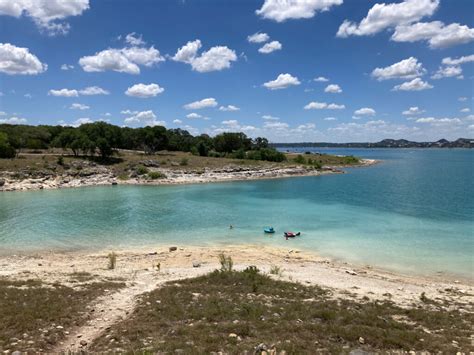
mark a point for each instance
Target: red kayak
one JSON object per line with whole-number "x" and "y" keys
{"x": 291, "y": 234}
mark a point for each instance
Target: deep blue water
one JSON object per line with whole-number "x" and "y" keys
{"x": 414, "y": 212}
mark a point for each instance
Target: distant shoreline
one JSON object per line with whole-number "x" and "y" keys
{"x": 103, "y": 176}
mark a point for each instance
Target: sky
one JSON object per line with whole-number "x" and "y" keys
{"x": 289, "y": 70}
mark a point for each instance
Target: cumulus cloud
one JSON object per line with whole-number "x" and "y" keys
{"x": 177, "y": 121}
{"x": 448, "y": 72}
{"x": 67, "y": 67}
{"x": 258, "y": 37}
{"x": 13, "y": 120}
{"x": 405, "y": 69}
{"x": 144, "y": 118}
{"x": 124, "y": 60}
{"x": 415, "y": 85}
{"x": 436, "y": 33}
{"x": 439, "y": 121}
{"x": 19, "y": 61}
{"x": 283, "y": 81}
{"x": 462, "y": 98}
{"x": 270, "y": 47}
{"x": 280, "y": 11}
{"x": 365, "y": 111}
{"x": 88, "y": 91}
{"x": 93, "y": 90}
{"x": 63, "y": 93}
{"x": 229, "y": 108}
{"x": 321, "y": 79}
{"x": 314, "y": 105}
{"x": 204, "y": 103}
{"x": 193, "y": 115}
{"x": 215, "y": 59}
{"x": 77, "y": 106}
{"x": 330, "y": 118}
{"x": 144, "y": 91}
{"x": 383, "y": 16}
{"x": 458, "y": 61}
{"x": 333, "y": 89}
{"x": 134, "y": 40}
{"x": 413, "y": 111}
{"x": 48, "y": 15}
{"x": 465, "y": 110}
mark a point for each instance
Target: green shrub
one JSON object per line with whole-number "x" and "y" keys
{"x": 154, "y": 175}
{"x": 276, "y": 270}
{"x": 142, "y": 170}
{"x": 300, "y": 159}
{"x": 226, "y": 263}
{"x": 184, "y": 162}
{"x": 60, "y": 160}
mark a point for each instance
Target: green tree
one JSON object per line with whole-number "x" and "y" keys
{"x": 6, "y": 150}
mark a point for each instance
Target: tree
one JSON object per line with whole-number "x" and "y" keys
{"x": 229, "y": 142}
{"x": 6, "y": 150}
{"x": 259, "y": 143}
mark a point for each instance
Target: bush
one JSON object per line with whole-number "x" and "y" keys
{"x": 268, "y": 154}
{"x": 226, "y": 263}
{"x": 184, "y": 162}
{"x": 60, "y": 160}
{"x": 154, "y": 175}
{"x": 276, "y": 270}
{"x": 300, "y": 159}
{"x": 6, "y": 150}
{"x": 141, "y": 170}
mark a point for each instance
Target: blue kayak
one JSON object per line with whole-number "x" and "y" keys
{"x": 269, "y": 230}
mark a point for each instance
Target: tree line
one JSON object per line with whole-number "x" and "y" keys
{"x": 103, "y": 140}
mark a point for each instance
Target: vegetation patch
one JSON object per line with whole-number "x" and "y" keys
{"x": 248, "y": 312}
{"x": 34, "y": 315}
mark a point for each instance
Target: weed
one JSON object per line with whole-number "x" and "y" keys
{"x": 276, "y": 270}
{"x": 112, "y": 260}
{"x": 154, "y": 175}
{"x": 142, "y": 170}
{"x": 184, "y": 162}
{"x": 226, "y": 263}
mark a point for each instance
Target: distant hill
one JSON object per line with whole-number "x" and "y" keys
{"x": 386, "y": 143}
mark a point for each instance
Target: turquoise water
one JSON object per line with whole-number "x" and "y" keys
{"x": 414, "y": 212}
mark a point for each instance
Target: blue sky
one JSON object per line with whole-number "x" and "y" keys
{"x": 400, "y": 69}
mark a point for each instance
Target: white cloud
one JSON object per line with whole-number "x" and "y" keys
{"x": 134, "y": 40}
{"x": 270, "y": 118}
{"x": 270, "y": 47}
{"x": 323, "y": 106}
{"x": 382, "y": 16}
{"x": 412, "y": 111}
{"x": 365, "y": 111}
{"x": 124, "y": 60}
{"x": 67, "y": 67}
{"x": 88, "y": 91}
{"x": 47, "y": 14}
{"x": 93, "y": 90}
{"x": 177, "y": 121}
{"x": 405, "y": 69}
{"x": 330, "y": 118}
{"x": 144, "y": 118}
{"x": 439, "y": 121}
{"x": 28, "y": 95}
{"x": 81, "y": 121}
{"x": 281, "y": 11}
{"x": 77, "y": 106}
{"x": 448, "y": 72}
{"x": 458, "y": 61}
{"x": 204, "y": 103}
{"x": 144, "y": 91}
{"x": 283, "y": 81}
{"x": 415, "y": 85}
{"x": 321, "y": 79}
{"x": 19, "y": 61}
{"x": 462, "y": 98}
{"x": 3, "y": 113}
{"x": 436, "y": 33}
{"x": 128, "y": 112}
{"x": 258, "y": 37}
{"x": 229, "y": 108}
{"x": 465, "y": 110}
{"x": 193, "y": 115}
{"x": 107, "y": 114}
{"x": 333, "y": 89}
{"x": 215, "y": 59}
{"x": 63, "y": 93}
{"x": 14, "y": 120}
{"x": 276, "y": 125}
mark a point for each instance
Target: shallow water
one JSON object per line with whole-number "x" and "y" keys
{"x": 414, "y": 212}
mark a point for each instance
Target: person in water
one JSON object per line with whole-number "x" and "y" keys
{"x": 231, "y": 227}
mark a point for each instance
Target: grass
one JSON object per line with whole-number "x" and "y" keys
{"x": 233, "y": 312}
{"x": 112, "y": 257}
{"x": 34, "y": 315}
{"x": 154, "y": 175}
{"x": 276, "y": 270}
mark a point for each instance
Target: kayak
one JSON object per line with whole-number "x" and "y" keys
{"x": 291, "y": 234}
{"x": 269, "y": 230}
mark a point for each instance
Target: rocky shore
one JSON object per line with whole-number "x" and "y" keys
{"x": 87, "y": 173}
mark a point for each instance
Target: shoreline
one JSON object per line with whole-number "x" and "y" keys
{"x": 103, "y": 176}
{"x": 343, "y": 279}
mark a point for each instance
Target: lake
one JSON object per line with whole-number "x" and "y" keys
{"x": 413, "y": 212}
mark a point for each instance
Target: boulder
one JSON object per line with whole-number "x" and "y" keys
{"x": 2, "y": 182}
{"x": 173, "y": 249}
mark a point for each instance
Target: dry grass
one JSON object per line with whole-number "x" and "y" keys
{"x": 234, "y": 312}
{"x": 34, "y": 315}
